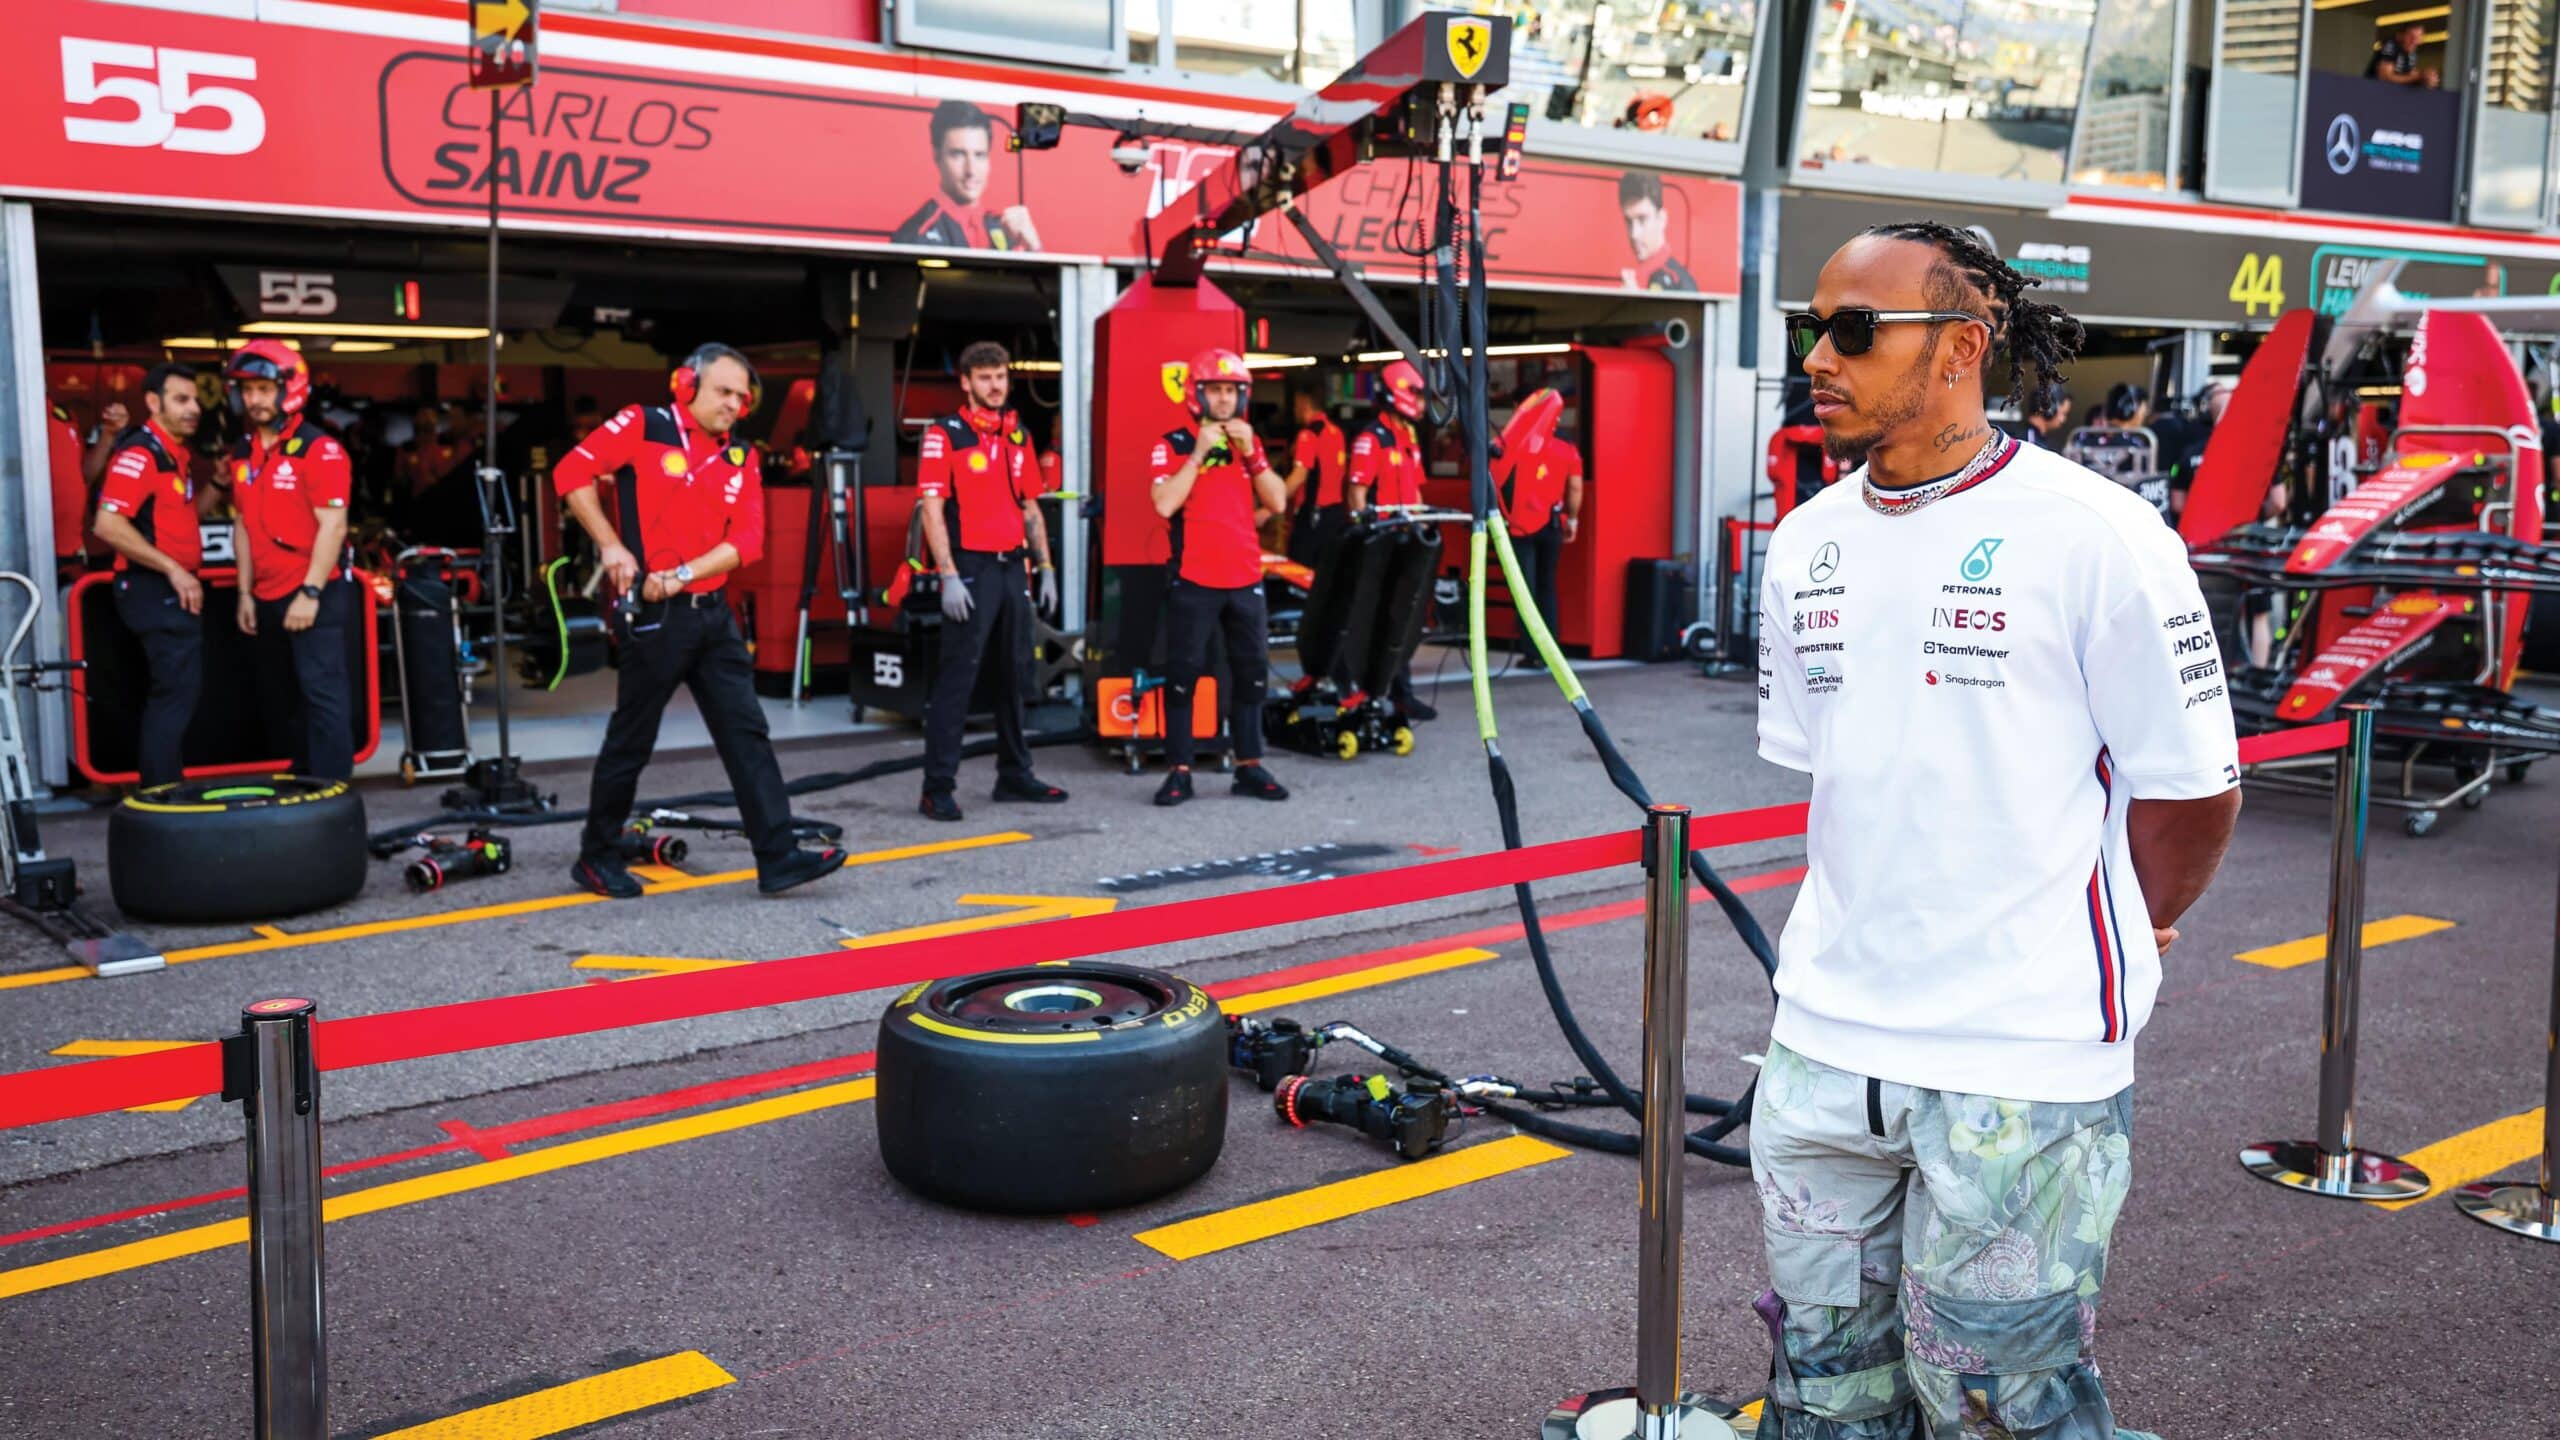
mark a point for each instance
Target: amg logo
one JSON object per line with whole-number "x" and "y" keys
{"x": 1825, "y": 590}
{"x": 2190, "y": 644}
{"x": 2194, "y": 673}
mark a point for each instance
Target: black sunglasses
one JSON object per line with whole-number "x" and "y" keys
{"x": 1852, "y": 328}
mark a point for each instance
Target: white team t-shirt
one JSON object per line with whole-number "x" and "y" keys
{"x": 1979, "y": 684}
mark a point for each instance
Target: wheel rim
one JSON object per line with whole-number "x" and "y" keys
{"x": 1050, "y": 998}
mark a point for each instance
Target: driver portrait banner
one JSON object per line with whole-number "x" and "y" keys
{"x": 146, "y": 106}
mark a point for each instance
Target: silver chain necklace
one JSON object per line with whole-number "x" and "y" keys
{"x": 1926, "y": 494}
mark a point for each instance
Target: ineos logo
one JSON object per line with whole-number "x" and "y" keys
{"x": 1825, "y": 561}
{"x": 2344, "y": 144}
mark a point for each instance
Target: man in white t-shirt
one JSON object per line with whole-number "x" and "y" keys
{"x": 1997, "y": 668}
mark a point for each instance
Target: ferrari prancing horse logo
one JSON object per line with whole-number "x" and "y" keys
{"x": 1470, "y": 41}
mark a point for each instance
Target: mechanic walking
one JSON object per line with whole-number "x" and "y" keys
{"x": 1541, "y": 490}
{"x": 147, "y": 512}
{"x": 689, "y": 501}
{"x": 1997, "y": 667}
{"x": 1209, "y": 483}
{"x": 1319, "y": 459}
{"x": 978, "y": 496}
{"x": 289, "y": 481}
{"x": 1386, "y": 470}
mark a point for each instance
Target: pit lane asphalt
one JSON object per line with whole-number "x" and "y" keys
{"x": 845, "y": 1307}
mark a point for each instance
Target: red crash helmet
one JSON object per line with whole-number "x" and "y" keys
{"x": 1405, "y": 390}
{"x": 1218, "y": 367}
{"x": 269, "y": 360}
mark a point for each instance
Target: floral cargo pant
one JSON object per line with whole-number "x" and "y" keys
{"x": 1934, "y": 1258}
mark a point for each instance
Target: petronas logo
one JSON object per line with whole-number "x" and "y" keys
{"x": 1977, "y": 561}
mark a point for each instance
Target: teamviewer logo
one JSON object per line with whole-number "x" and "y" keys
{"x": 2345, "y": 143}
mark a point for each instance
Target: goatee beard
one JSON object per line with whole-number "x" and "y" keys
{"x": 1847, "y": 451}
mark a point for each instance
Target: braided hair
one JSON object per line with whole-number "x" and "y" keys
{"x": 2034, "y": 336}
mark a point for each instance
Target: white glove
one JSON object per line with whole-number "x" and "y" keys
{"x": 955, "y": 599}
{"x": 1048, "y": 590}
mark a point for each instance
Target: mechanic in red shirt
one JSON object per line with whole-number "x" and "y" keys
{"x": 978, "y": 498}
{"x": 689, "y": 509}
{"x": 1386, "y": 469}
{"x": 1212, "y": 484}
{"x": 66, "y": 458}
{"x": 289, "y": 481}
{"x": 1319, "y": 461}
{"x": 1539, "y": 478}
{"x": 147, "y": 514}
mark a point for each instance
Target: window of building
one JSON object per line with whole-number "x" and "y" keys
{"x": 1062, "y": 32}
{"x": 1679, "y": 69}
{"x": 2255, "y": 110}
{"x": 2127, "y": 125}
{"x": 1288, "y": 42}
{"x": 1985, "y": 89}
{"x": 2511, "y": 139}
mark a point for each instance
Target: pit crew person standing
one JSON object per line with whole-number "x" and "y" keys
{"x": 1541, "y": 490}
{"x": 978, "y": 494}
{"x": 147, "y": 514}
{"x": 1208, "y": 483}
{"x": 690, "y": 500}
{"x": 1386, "y": 469}
{"x": 1318, "y": 461}
{"x": 289, "y": 481}
{"x": 1997, "y": 668}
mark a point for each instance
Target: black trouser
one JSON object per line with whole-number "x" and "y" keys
{"x": 1312, "y": 530}
{"x": 695, "y": 645}
{"x": 1193, "y": 613}
{"x": 1000, "y": 624}
{"x": 306, "y": 702}
{"x": 173, "y": 649}
{"x": 1538, "y": 555}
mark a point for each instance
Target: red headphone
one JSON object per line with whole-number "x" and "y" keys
{"x": 686, "y": 382}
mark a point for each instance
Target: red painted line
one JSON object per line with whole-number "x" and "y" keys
{"x": 1428, "y": 850}
{"x": 163, "y": 1207}
{"x": 1084, "y": 1222}
{"x": 477, "y": 1142}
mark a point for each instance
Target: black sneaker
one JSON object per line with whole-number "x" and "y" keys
{"x": 605, "y": 875}
{"x": 938, "y": 805}
{"x": 1255, "y": 781}
{"x": 798, "y": 868}
{"x": 1414, "y": 707}
{"x": 1029, "y": 788}
{"x": 1175, "y": 789}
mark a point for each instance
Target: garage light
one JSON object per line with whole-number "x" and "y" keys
{"x": 933, "y": 264}
{"x": 1380, "y": 357}
{"x": 361, "y": 347}
{"x": 207, "y": 342}
{"x": 1263, "y": 361}
{"x": 373, "y": 332}
{"x": 1528, "y": 349}
{"x": 1038, "y": 367}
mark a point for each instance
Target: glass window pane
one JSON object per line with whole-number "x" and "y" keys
{"x": 1293, "y": 42}
{"x": 1080, "y": 24}
{"x": 1675, "y": 68}
{"x": 1964, "y": 87}
{"x": 2124, "y": 123}
{"x": 2514, "y": 133}
{"x": 2257, "y": 89}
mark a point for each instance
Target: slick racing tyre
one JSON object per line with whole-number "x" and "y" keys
{"x": 240, "y": 848}
{"x": 1052, "y": 1088}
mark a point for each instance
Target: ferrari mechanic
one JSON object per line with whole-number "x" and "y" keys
{"x": 147, "y": 512}
{"x": 289, "y": 482}
{"x": 1386, "y": 470}
{"x": 690, "y": 499}
{"x": 1212, "y": 484}
{"x": 1996, "y": 666}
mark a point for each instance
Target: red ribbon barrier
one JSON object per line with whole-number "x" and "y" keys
{"x": 2285, "y": 744}
{"x": 63, "y": 1092}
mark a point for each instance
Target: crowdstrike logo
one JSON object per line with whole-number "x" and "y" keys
{"x": 2345, "y": 144}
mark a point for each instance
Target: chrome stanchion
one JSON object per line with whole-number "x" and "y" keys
{"x": 2332, "y": 1165}
{"x": 2530, "y": 1210}
{"x": 269, "y": 1064}
{"x": 1657, "y": 1408}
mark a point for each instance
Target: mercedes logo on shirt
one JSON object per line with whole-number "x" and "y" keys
{"x": 2343, "y": 144}
{"x": 1825, "y": 561}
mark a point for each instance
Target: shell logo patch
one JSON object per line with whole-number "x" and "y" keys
{"x": 1177, "y": 381}
{"x": 978, "y": 461}
{"x": 673, "y": 463}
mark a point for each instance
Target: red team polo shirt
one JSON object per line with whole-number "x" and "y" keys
{"x": 146, "y": 482}
{"x": 1321, "y": 448}
{"x": 280, "y": 494}
{"x": 1214, "y": 542}
{"x": 678, "y": 490}
{"x": 1388, "y": 460}
{"x": 1532, "y": 484}
{"x": 986, "y": 464}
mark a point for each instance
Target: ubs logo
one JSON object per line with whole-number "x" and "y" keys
{"x": 2345, "y": 143}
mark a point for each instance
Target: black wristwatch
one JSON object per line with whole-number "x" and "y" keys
{"x": 309, "y": 591}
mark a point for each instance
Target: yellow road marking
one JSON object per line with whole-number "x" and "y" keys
{"x": 461, "y": 1180}
{"x": 579, "y": 1403}
{"x": 653, "y": 964}
{"x": 1209, "y": 1234}
{"x": 1026, "y": 909}
{"x": 95, "y": 1049}
{"x": 2316, "y": 947}
{"x": 2476, "y": 1154}
{"x": 1356, "y": 980}
{"x": 271, "y": 938}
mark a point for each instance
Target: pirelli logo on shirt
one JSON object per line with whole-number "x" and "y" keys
{"x": 2194, "y": 673}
